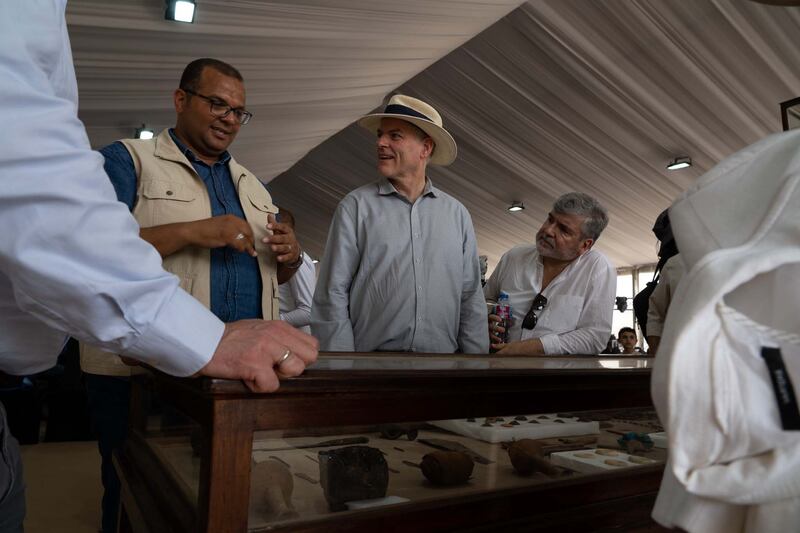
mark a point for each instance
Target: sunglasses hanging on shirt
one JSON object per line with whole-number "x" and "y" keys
{"x": 530, "y": 320}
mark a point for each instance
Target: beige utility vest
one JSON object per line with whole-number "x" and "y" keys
{"x": 169, "y": 190}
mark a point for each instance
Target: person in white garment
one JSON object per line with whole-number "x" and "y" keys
{"x": 297, "y": 294}
{"x": 71, "y": 260}
{"x": 561, "y": 289}
{"x": 726, "y": 377}
{"x": 660, "y": 299}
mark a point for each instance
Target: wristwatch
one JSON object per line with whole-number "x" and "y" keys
{"x": 296, "y": 264}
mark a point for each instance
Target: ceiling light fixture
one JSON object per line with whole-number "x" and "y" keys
{"x": 679, "y": 163}
{"x": 180, "y": 10}
{"x": 144, "y": 133}
{"x": 516, "y": 206}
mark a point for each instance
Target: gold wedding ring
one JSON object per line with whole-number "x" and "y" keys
{"x": 285, "y": 356}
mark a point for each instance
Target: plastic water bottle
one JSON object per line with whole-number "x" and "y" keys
{"x": 503, "y": 310}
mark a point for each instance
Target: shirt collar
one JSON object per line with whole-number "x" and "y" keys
{"x": 385, "y": 187}
{"x": 223, "y": 159}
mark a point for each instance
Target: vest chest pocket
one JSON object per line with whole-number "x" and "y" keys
{"x": 166, "y": 202}
{"x": 262, "y": 204}
{"x": 257, "y": 212}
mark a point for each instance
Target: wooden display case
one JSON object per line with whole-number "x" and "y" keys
{"x": 167, "y": 489}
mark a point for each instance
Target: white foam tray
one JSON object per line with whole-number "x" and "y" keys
{"x": 591, "y": 461}
{"x": 546, "y": 428}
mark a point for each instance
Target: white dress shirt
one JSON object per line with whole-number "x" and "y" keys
{"x": 71, "y": 260}
{"x": 729, "y": 411}
{"x": 580, "y": 300}
{"x": 661, "y": 297}
{"x": 296, "y": 296}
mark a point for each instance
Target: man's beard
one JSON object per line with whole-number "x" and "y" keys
{"x": 548, "y": 249}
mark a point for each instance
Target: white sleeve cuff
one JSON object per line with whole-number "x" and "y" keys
{"x": 182, "y": 339}
{"x": 551, "y": 344}
{"x": 654, "y": 327}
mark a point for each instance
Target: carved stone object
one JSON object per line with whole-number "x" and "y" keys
{"x": 447, "y": 468}
{"x": 526, "y": 456}
{"x": 271, "y": 487}
{"x": 352, "y": 473}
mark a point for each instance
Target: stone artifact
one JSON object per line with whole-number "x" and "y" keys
{"x": 321, "y": 444}
{"x": 453, "y": 446}
{"x": 604, "y": 451}
{"x": 352, "y": 473}
{"x": 633, "y": 442}
{"x": 306, "y": 477}
{"x": 615, "y": 462}
{"x": 520, "y": 417}
{"x": 526, "y": 456}
{"x": 271, "y": 486}
{"x": 447, "y": 468}
{"x": 395, "y": 431}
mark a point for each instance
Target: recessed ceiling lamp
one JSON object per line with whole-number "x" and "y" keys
{"x": 679, "y": 163}
{"x": 516, "y": 206}
{"x": 144, "y": 133}
{"x": 180, "y": 10}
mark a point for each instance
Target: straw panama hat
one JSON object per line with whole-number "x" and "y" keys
{"x": 424, "y": 117}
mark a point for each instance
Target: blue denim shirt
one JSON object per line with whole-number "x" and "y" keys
{"x": 235, "y": 279}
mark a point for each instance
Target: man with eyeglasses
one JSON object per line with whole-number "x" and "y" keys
{"x": 561, "y": 289}
{"x": 212, "y": 221}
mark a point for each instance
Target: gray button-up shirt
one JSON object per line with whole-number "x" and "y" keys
{"x": 398, "y": 276}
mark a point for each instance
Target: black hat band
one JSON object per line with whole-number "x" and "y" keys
{"x": 397, "y": 109}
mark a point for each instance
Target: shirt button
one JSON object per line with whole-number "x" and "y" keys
{"x": 419, "y": 287}
{"x": 418, "y": 260}
{"x": 170, "y": 193}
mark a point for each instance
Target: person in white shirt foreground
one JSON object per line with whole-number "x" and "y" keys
{"x": 561, "y": 290}
{"x": 71, "y": 260}
{"x": 729, "y": 360}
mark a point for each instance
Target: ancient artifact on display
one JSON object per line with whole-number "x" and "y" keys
{"x": 527, "y": 457}
{"x": 352, "y": 473}
{"x": 447, "y": 467}
{"x": 395, "y": 431}
{"x": 271, "y": 487}
{"x": 453, "y": 446}
{"x": 259, "y": 447}
{"x": 634, "y": 442}
{"x": 604, "y": 451}
{"x": 518, "y": 427}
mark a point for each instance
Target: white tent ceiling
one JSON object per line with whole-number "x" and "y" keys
{"x": 557, "y": 95}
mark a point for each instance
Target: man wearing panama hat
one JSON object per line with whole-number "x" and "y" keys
{"x": 400, "y": 270}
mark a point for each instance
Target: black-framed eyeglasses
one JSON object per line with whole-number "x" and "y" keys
{"x": 530, "y": 320}
{"x": 221, "y": 109}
